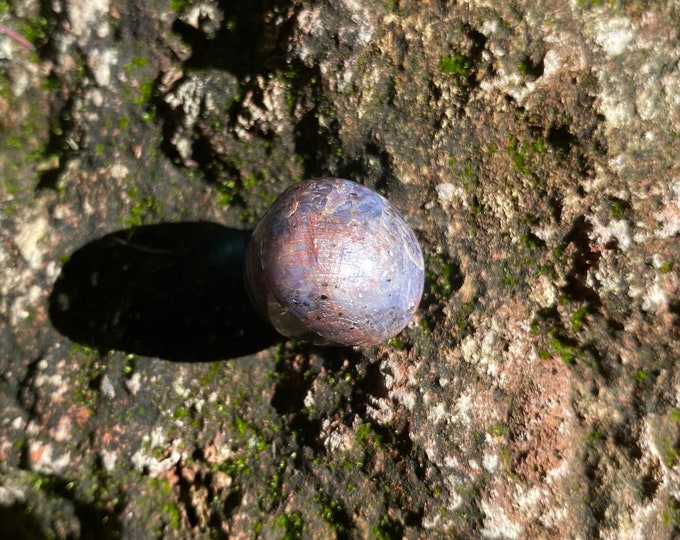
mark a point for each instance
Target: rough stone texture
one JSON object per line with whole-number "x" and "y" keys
{"x": 533, "y": 148}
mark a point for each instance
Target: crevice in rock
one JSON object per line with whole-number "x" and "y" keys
{"x": 584, "y": 259}
{"x": 373, "y": 163}
{"x": 59, "y": 144}
{"x": 315, "y": 142}
{"x": 561, "y": 139}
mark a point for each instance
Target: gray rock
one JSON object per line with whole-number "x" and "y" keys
{"x": 533, "y": 149}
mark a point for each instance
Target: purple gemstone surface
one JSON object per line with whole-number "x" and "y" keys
{"x": 334, "y": 262}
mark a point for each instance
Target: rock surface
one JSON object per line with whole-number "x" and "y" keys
{"x": 532, "y": 148}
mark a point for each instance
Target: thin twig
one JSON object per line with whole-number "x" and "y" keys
{"x": 127, "y": 243}
{"x": 16, "y": 37}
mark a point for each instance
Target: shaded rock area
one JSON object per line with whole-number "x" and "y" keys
{"x": 533, "y": 147}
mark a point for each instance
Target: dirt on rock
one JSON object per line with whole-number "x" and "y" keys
{"x": 531, "y": 146}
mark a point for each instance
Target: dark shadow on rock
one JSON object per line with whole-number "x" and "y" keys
{"x": 173, "y": 291}
{"x": 17, "y": 521}
{"x": 96, "y": 520}
{"x": 250, "y": 41}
